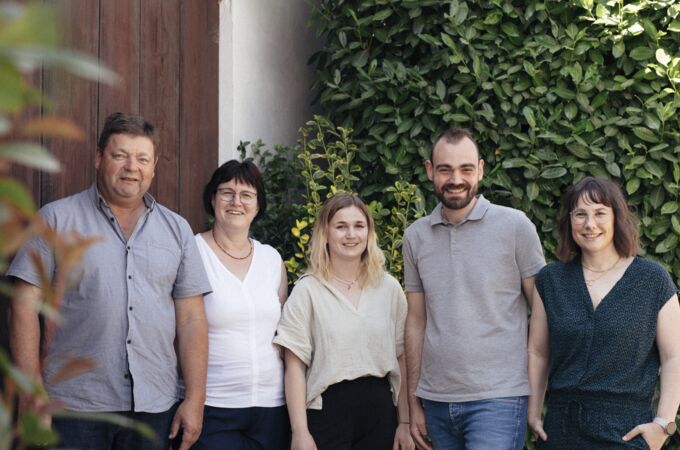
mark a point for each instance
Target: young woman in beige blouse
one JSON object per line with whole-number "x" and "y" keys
{"x": 342, "y": 330}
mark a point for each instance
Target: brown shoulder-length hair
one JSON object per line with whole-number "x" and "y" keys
{"x": 605, "y": 192}
{"x": 372, "y": 259}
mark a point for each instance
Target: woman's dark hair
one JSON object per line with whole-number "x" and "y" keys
{"x": 605, "y": 192}
{"x": 244, "y": 172}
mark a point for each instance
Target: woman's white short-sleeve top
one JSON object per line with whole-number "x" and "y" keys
{"x": 244, "y": 366}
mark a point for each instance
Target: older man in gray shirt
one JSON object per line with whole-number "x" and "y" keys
{"x": 469, "y": 272}
{"x": 136, "y": 290}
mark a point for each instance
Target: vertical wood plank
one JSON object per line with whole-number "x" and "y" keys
{"x": 159, "y": 91}
{"x": 29, "y": 177}
{"x": 119, "y": 34}
{"x": 74, "y": 98}
{"x": 198, "y": 104}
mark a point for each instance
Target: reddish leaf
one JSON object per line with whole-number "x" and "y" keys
{"x": 54, "y": 126}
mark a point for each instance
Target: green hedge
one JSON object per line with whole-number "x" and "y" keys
{"x": 553, "y": 91}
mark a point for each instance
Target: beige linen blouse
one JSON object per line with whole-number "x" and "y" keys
{"x": 340, "y": 342}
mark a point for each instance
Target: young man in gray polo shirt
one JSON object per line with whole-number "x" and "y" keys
{"x": 469, "y": 272}
{"x": 135, "y": 289}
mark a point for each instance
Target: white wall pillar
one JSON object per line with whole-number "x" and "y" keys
{"x": 264, "y": 80}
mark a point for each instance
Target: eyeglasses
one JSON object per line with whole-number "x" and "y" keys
{"x": 246, "y": 197}
{"x": 580, "y": 217}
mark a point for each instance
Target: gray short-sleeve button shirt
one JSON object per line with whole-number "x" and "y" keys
{"x": 120, "y": 311}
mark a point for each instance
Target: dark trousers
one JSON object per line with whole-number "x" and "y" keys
{"x": 585, "y": 422}
{"x": 355, "y": 415}
{"x": 253, "y": 428}
{"x": 99, "y": 434}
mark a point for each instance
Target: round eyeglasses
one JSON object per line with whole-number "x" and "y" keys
{"x": 246, "y": 197}
{"x": 581, "y": 217}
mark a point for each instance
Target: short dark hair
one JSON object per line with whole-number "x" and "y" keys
{"x": 245, "y": 172}
{"x": 606, "y": 192}
{"x": 125, "y": 123}
{"x": 454, "y": 136}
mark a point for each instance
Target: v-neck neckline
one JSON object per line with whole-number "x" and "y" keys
{"x": 226, "y": 269}
{"x": 582, "y": 279}
{"x": 343, "y": 298}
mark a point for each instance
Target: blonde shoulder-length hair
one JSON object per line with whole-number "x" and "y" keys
{"x": 373, "y": 260}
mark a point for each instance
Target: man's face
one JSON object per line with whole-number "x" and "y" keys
{"x": 455, "y": 172}
{"x": 125, "y": 168}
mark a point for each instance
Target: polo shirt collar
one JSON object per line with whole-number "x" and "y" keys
{"x": 100, "y": 202}
{"x": 477, "y": 212}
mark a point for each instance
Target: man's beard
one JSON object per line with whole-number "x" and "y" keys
{"x": 457, "y": 202}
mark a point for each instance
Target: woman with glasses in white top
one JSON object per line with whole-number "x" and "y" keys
{"x": 604, "y": 326}
{"x": 342, "y": 329}
{"x": 245, "y": 403}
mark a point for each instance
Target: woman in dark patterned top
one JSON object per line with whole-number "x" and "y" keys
{"x": 604, "y": 323}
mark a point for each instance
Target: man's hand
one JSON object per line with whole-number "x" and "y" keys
{"x": 37, "y": 404}
{"x": 418, "y": 427}
{"x": 536, "y": 425}
{"x": 189, "y": 417}
{"x": 192, "y": 342}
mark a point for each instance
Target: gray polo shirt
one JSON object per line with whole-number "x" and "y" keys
{"x": 120, "y": 311}
{"x": 475, "y": 343}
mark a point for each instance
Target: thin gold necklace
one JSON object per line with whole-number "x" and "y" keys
{"x": 602, "y": 272}
{"x": 250, "y": 252}
{"x": 349, "y": 284}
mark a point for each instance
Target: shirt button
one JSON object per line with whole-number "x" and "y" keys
{"x": 126, "y": 376}
{"x": 130, "y": 308}
{"x": 129, "y": 341}
{"x": 128, "y": 247}
{"x": 129, "y": 277}
{"x": 111, "y": 219}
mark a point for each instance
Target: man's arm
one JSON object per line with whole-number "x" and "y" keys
{"x": 414, "y": 336}
{"x": 24, "y": 328}
{"x": 192, "y": 340}
{"x": 539, "y": 360}
{"x": 24, "y": 341}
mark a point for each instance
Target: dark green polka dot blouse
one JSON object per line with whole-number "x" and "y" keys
{"x": 609, "y": 352}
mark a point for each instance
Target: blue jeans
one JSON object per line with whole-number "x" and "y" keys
{"x": 495, "y": 424}
{"x": 93, "y": 434}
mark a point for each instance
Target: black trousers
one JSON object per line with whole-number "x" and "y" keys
{"x": 356, "y": 415}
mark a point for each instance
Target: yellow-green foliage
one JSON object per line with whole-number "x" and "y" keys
{"x": 326, "y": 155}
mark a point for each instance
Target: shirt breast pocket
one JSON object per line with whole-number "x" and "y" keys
{"x": 162, "y": 264}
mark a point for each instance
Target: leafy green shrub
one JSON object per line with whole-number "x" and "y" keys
{"x": 552, "y": 90}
